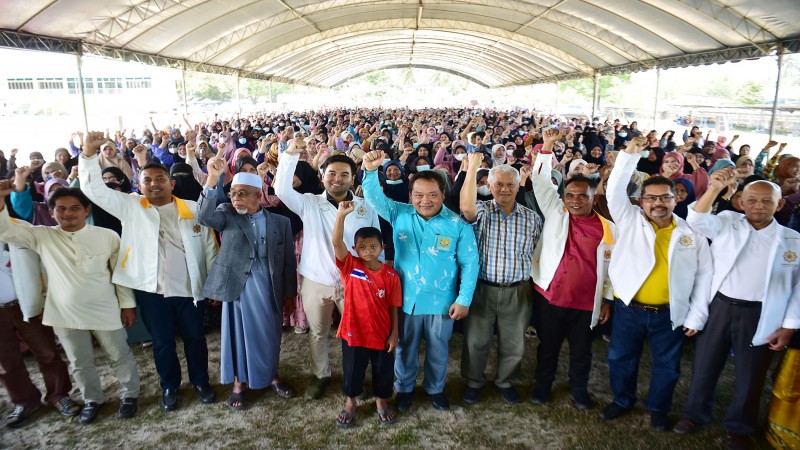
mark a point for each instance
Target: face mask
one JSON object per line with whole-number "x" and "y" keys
{"x": 423, "y": 168}
{"x": 554, "y": 186}
{"x": 484, "y": 190}
{"x": 645, "y": 153}
{"x": 243, "y": 141}
{"x": 400, "y": 181}
{"x": 173, "y": 150}
{"x": 460, "y": 156}
{"x": 593, "y": 176}
{"x": 622, "y": 135}
{"x": 223, "y": 139}
{"x": 48, "y": 178}
{"x": 509, "y": 152}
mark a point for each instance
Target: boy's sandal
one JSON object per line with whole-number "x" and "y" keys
{"x": 237, "y": 397}
{"x": 387, "y": 416}
{"x": 346, "y": 419}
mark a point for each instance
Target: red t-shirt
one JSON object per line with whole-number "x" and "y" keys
{"x": 575, "y": 280}
{"x": 368, "y": 295}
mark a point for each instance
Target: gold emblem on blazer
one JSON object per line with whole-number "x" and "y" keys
{"x": 196, "y": 228}
{"x": 790, "y": 256}
{"x": 686, "y": 241}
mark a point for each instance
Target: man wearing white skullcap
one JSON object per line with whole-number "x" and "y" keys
{"x": 254, "y": 289}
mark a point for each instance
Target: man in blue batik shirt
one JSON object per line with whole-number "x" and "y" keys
{"x": 436, "y": 256}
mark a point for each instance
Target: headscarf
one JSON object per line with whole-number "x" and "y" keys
{"x": 481, "y": 174}
{"x": 60, "y": 181}
{"x": 396, "y": 192}
{"x": 720, "y": 153}
{"x": 122, "y": 180}
{"x": 784, "y": 165}
{"x": 721, "y": 143}
{"x": 677, "y": 157}
{"x": 236, "y": 156}
{"x": 241, "y": 161}
{"x": 117, "y": 162}
{"x": 721, "y": 164}
{"x": 412, "y": 166}
{"x": 176, "y": 140}
{"x": 309, "y": 180}
{"x": 682, "y": 208}
{"x": 601, "y": 161}
{"x": 186, "y": 187}
{"x": 230, "y": 146}
{"x": 56, "y": 165}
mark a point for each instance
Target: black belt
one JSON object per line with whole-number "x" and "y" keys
{"x": 10, "y": 304}
{"x": 737, "y": 302}
{"x": 651, "y": 308}
{"x": 501, "y": 285}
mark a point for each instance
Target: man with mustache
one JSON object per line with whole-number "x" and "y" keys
{"x": 658, "y": 267}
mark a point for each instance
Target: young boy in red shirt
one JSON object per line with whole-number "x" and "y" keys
{"x": 372, "y": 296}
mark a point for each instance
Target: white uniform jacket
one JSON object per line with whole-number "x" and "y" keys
{"x": 729, "y": 231}
{"x": 137, "y": 267}
{"x": 550, "y": 249}
{"x": 689, "y": 258}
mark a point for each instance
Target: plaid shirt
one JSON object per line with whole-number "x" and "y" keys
{"x": 505, "y": 244}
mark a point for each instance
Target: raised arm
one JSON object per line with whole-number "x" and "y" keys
{"x": 207, "y": 212}
{"x": 282, "y": 184}
{"x": 546, "y": 197}
{"x": 11, "y": 230}
{"x": 114, "y": 202}
{"x": 617, "y": 193}
{"x": 373, "y": 194}
{"x": 339, "y": 247}
{"x": 469, "y": 190}
{"x": 699, "y": 216}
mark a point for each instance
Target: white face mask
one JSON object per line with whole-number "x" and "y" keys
{"x": 645, "y": 153}
{"x": 423, "y": 168}
{"x": 554, "y": 186}
{"x": 173, "y": 150}
{"x": 223, "y": 139}
{"x": 622, "y": 135}
{"x": 509, "y": 152}
{"x": 400, "y": 181}
{"x": 484, "y": 190}
{"x": 243, "y": 140}
{"x": 460, "y": 156}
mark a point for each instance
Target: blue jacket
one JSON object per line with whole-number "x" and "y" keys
{"x": 429, "y": 254}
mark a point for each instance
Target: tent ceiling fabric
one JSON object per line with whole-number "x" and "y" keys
{"x": 492, "y": 42}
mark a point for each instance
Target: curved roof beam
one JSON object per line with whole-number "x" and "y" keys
{"x": 404, "y": 66}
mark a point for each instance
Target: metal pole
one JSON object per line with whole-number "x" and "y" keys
{"x": 80, "y": 86}
{"x": 596, "y": 96}
{"x": 556, "y": 111}
{"x": 238, "y": 98}
{"x": 270, "y": 91}
{"x": 655, "y": 103}
{"x": 777, "y": 91}
{"x": 183, "y": 89}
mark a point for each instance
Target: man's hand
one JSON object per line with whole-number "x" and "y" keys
{"x": 6, "y": 186}
{"x": 373, "y": 160}
{"x": 128, "y": 316}
{"x": 263, "y": 170}
{"x": 689, "y": 332}
{"x": 73, "y": 173}
{"x": 605, "y": 314}
{"x": 140, "y": 151}
{"x": 525, "y": 173}
{"x": 391, "y": 343}
{"x": 458, "y": 311}
{"x": 475, "y": 160}
{"x": 779, "y": 340}
{"x": 636, "y": 145}
{"x": 720, "y": 179}
{"x": 345, "y": 208}
{"x": 215, "y": 167}
{"x": 191, "y": 150}
{"x": 22, "y": 173}
{"x": 92, "y": 143}
{"x": 221, "y": 148}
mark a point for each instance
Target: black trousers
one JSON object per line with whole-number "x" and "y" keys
{"x": 729, "y": 324}
{"x": 554, "y": 325}
{"x": 354, "y": 369}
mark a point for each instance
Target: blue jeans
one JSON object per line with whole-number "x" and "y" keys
{"x": 436, "y": 331}
{"x": 165, "y": 318}
{"x": 630, "y": 329}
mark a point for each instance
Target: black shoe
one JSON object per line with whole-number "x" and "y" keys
{"x": 127, "y": 408}
{"x": 206, "y": 394}
{"x": 89, "y": 412}
{"x": 18, "y": 416}
{"x": 440, "y": 401}
{"x": 402, "y": 401}
{"x": 471, "y": 395}
{"x": 169, "y": 399}
{"x": 659, "y": 421}
{"x": 509, "y": 395}
{"x": 612, "y": 411}
{"x": 67, "y": 407}
{"x": 540, "y": 396}
{"x": 582, "y": 401}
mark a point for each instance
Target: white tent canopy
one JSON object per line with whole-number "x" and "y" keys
{"x": 495, "y": 43}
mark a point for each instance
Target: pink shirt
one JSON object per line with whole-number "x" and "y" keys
{"x": 575, "y": 280}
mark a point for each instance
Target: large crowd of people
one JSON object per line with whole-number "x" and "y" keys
{"x": 399, "y": 226}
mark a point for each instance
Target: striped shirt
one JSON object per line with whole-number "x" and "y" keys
{"x": 505, "y": 244}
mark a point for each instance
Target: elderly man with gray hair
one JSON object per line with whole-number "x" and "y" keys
{"x": 507, "y": 234}
{"x": 753, "y": 306}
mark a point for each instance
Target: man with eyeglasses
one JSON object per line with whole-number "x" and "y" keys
{"x": 437, "y": 260}
{"x": 658, "y": 267}
{"x": 164, "y": 257}
{"x": 321, "y": 287}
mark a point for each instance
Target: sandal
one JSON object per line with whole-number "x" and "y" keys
{"x": 346, "y": 419}
{"x": 283, "y": 389}
{"x": 387, "y": 416}
{"x": 237, "y": 397}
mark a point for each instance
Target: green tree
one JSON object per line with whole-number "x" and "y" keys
{"x": 609, "y": 85}
{"x": 377, "y": 78}
{"x": 211, "y": 87}
{"x": 751, "y": 93}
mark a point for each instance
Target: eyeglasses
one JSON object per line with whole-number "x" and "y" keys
{"x": 235, "y": 194}
{"x": 652, "y": 198}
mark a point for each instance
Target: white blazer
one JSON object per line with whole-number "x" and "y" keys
{"x": 550, "y": 249}
{"x": 137, "y": 266}
{"x": 689, "y": 258}
{"x": 729, "y": 231}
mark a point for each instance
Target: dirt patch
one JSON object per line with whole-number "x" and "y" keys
{"x": 272, "y": 422}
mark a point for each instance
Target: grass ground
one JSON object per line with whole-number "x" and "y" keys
{"x": 271, "y": 422}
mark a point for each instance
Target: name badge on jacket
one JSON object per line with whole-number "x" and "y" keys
{"x": 444, "y": 243}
